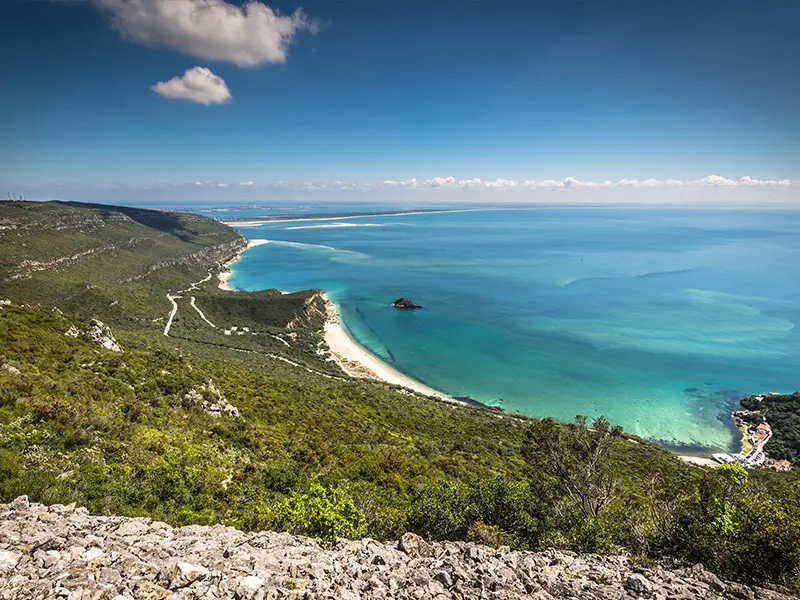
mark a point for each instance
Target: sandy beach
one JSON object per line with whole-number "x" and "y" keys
{"x": 223, "y": 276}
{"x": 351, "y": 357}
{"x": 357, "y": 362}
{"x": 698, "y": 460}
{"x": 256, "y": 222}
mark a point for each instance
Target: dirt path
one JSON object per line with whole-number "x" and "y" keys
{"x": 200, "y": 312}
{"x": 177, "y": 296}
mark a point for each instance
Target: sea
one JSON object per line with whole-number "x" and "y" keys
{"x": 658, "y": 318}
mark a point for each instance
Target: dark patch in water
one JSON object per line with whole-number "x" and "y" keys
{"x": 473, "y": 402}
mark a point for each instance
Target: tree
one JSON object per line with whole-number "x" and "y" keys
{"x": 577, "y": 459}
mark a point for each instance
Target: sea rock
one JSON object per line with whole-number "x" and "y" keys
{"x": 405, "y": 304}
{"x": 61, "y": 552}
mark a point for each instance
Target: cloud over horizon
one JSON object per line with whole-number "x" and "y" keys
{"x": 713, "y": 189}
{"x": 248, "y": 36}
{"x": 196, "y": 85}
{"x": 711, "y": 181}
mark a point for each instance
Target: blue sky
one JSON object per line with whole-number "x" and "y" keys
{"x": 467, "y": 98}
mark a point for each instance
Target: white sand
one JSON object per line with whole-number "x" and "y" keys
{"x": 357, "y": 362}
{"x": 256, "y": 223}
{"x": 698, "y": 460}
{"x": 352, "y": 358}
{"x": 223, "y": 281}
{"x": 226, "y": 274}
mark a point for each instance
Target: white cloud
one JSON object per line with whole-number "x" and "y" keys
{"x": 479, "y": 184}
{"x": 197, "y": 85}
{"x": 569, "y": 187}
{"x": 439, "y": 182}
{"x": 747, "y": 180}
{"x": 406, "y": 184}
{"x": 501, "y": 184}
{"x": 716, "y": 181}
{"x": 546, "y": 184}
{"x": 249, "y": 35}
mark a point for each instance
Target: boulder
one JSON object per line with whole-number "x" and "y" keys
{"x": 405, "y": 304}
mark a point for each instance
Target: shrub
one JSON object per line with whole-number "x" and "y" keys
{"x": 323, "y": 512}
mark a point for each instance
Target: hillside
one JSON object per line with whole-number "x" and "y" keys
{"x": 782, "y": 412}
{"x": 137, "y": 558}
{"x": 256, "y": 429}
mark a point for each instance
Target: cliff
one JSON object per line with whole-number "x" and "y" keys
{"x": 63, "y": 552}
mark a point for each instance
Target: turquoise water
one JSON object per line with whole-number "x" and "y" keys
{"x": 657, "y": 318}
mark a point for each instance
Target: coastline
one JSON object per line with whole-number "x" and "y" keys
{"x": 356, "y": 361}
{"x": 351, "y": 357}
{"x": 700, "y": 461}
{"x": 262, "y": 221}
{"x": 224, "y": 275}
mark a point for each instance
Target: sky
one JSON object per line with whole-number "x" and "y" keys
{"x": 423, "y": 99}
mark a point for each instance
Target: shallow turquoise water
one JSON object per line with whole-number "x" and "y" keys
{"x": 656, "y": 318}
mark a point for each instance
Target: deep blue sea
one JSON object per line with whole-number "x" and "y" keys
{"x": 657, "y": 318}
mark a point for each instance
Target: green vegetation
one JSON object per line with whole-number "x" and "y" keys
{"x": 783, "y": 415}
{"x": 312, "y": 450}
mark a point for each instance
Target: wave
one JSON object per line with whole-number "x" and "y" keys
{"x": 583, "y": 279}
{"x": 667, "y": 272}
{"x": 315, "y": 247}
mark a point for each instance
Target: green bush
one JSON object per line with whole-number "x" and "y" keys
{"x": 323, "y": 512}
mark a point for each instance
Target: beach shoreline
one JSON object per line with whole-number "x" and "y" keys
{"x": 255, "y": 222}
{"x": 700, "y": 461}
{"x": 356, "y": 361}
{"x": 225, "y": 274}
{"x": 352, "y": 358}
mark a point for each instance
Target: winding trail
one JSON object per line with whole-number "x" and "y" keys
{"x": 200, "y": 312}
{"x": 172, "y": 314}
{"x": 280, "y": 339}
{"x": 177, "y": 296}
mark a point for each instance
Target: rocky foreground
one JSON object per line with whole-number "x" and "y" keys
{"x": 63, "y": 552}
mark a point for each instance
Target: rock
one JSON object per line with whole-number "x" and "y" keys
{"x": 413, "y": 545}
{"x": 444, "y": 578}
{"x": 98, "y": 333}
{"x": 249, "y": 587}
{"x": 10, "y": 369}
{"x": 92, "y": 553}
{"x": 186, "y": 573}
{"x": 214, "y": 403}
{"x": 737, "y": 590}
{"x": 405, "y": 304}
{"x": 20, "y": 503}
{"x": 638, "y": 583}
{"x": 60, "y": 553}
{"x": 9, "y": 560}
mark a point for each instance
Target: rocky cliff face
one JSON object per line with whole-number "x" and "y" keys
{"x": 63, "y": 552}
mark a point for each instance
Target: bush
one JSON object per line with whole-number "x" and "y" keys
{"x": 323, "y": 512}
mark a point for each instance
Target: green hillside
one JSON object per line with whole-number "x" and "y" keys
{"x": 255, "y": 428}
